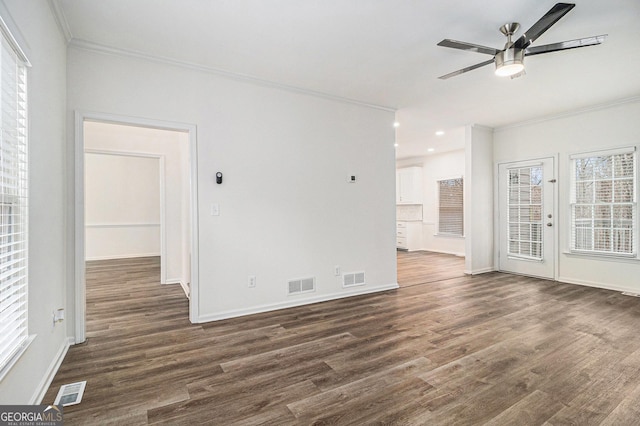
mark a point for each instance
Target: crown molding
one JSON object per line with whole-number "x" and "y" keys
{"x": 61, "y": 19}
{"x": 481, "y": 127}
{"x": 592, "y": 108}
{"x": 109, "y": 50}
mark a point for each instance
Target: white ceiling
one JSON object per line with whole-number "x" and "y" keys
{"x": 384, "y": 52}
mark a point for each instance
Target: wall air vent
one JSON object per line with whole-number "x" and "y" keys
{"x": 70, "y": 394}
{"x": 302, "y": 285}
{"x": 352, "y": 279}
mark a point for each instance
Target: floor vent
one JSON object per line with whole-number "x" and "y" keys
{"x": 628, "y": 293}
{"x": 302, "y": 285}
{"x": 70, "y": 394}
{"x": 352, "y": 279}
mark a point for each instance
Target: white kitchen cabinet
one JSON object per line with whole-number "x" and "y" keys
{"x": 409, "y": 185}
{"x": 409, "y": 235}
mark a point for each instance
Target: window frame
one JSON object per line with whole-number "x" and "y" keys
{"x": 573, "y": 203}
{"x": 439, "y": 231}
{"x": 17, "y": 162}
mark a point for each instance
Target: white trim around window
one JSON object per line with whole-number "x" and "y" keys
{"x": 603, "y": 203}
{"x": 14, "y": 205}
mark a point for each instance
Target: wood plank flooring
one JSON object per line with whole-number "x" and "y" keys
{"x": 492, "y": 349}
{"x": 419, "y": 267}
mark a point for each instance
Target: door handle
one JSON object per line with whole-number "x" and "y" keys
{"x": 549, "y": 224}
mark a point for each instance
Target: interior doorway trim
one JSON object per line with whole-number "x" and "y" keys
{"x": 79, "y": 255}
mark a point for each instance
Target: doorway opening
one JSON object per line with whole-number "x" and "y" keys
{"x": 135, "y": 200}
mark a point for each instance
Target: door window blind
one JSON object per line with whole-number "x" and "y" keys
{"x": 603, "y": 203}
{"x": 524, "y": 213}
{"x": 450, "y": 207}
{"x": 13, "y": 202}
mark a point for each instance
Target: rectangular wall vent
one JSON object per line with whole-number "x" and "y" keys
{"x": 70, "y": 394}
{"x": 302, "y": 285}
{"x": 352, "y": 279}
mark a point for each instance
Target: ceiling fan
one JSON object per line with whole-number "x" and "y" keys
{"x": 510, "y": 60}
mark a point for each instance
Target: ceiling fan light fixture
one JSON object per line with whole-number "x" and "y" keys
{"x": 509, "y": 70}
{"x": 509, "y": 62}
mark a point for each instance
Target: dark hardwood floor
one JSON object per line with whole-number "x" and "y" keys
{"x": 491, "y": 349}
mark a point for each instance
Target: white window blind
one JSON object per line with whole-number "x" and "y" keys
{"x": 450, "y": 207}
{"x": 603, "y": 203}
{"x": 524, "y": 212}
{"x": 13, "y": 202}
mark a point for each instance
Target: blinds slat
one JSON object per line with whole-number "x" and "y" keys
{"x": 12, "y": 284}
{"x": 10, "y": 342}
{"x": 13, "y": 197}
{"x": 450, "y": 207}
{"x": 9, "y": 317}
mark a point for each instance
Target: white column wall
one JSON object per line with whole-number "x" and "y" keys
{"x": 478, "y": 200}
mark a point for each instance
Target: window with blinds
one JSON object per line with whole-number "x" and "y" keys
{"x": 603, "y": 202}
{"x": 450, "y": 207}
{"x": 524, "y": 212}
{"x": 13, "y": 201}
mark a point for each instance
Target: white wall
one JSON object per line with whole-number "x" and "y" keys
{"x": 437, "y": 167}
{"x": 607, "y": 127}
{"x": 36, "y": 30}
{"x": 286, "y": 209}
{"x": 122, "y": 206}
{"x": 126, "y": 241}
{"x": 478, "y": 196}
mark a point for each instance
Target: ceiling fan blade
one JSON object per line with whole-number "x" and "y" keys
{"x": 543, "y": 24}
{"x": 564, "y": 45}
{"x": 463, "y": 45}
{"x": 463, "y": 70}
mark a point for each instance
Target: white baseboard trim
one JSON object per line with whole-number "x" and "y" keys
{"x": 186, "y": 289}
{"x": 293, "y": 303}
{"x": 44, "y": 384}
{"x": 480, "y": 271}
{"x": 605, "y": 286}
{"x": 122, "y": 256}
{"x": 184, "y": 286}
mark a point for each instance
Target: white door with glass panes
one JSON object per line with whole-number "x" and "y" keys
{"x": 527, "y": 217}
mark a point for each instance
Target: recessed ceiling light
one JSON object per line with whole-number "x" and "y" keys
{"x": 395, "y": 144}
{"x": 440, "y": 133}
{"x": 430, "y": 150}
{"x": 396, "y": 124}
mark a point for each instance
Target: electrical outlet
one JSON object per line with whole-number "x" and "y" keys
{"x": 252, "y": 281}
{"x": 336, "y": 270}
{"x": 57, "y": 316}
